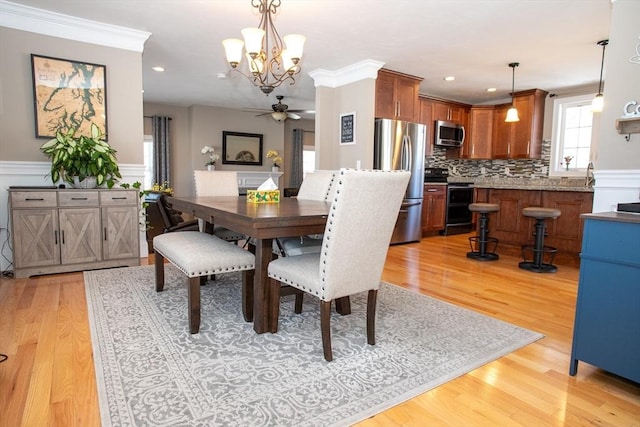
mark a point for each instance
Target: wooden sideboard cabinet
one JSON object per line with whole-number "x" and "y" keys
{"x": 434, "y": 206}
{"x": 57, "y": 231}
{"x": 397, "y": 96}
{"x": 607, "y": 317}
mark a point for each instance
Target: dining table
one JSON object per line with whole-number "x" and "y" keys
{"x": 263, "y": 222}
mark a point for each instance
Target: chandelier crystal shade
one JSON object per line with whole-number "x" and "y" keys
{"x": 271, "y": 61}
{"x": 512, "y": 113}
{"x": 598, "y": 101}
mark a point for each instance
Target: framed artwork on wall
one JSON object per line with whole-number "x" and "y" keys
{"x": 240, "y": 148}
{"x": 347, "y": 129}
{"x": 68, "y": 94}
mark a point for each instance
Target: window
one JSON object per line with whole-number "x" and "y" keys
{"x": 308, "y": 159}
{"x": 148, "y": 162}
{"x": 574, "y": 128}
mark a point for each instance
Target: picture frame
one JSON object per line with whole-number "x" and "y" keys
{"x": 68, "y": 94}
{"x": 348, "y": 129}
{"x": 239, "y": 148}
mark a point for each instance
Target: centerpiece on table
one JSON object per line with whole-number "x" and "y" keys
{"x": 82, "y": 161}
{"x": 213, "y": 157}
{"x": 275, "y": 159}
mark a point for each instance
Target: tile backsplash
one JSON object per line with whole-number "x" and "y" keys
{"x": 497, "y": 168}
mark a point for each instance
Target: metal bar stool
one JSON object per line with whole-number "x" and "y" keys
{"x": 538, "y": 248}
{"x": 482, "y": 240}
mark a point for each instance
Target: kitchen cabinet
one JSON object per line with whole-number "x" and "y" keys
{"x": 434, "y": 207}
{"x": 58, "y": 231}
{"x": 513, "y": 229}
{"x": 522, "y": 139}
{"x": 450, "y": 112}
{"x": 426, "y": 117}
{"x": 605, "y": 332}
{"x": 397, "y": 96}
{"x": 479, "y": 133}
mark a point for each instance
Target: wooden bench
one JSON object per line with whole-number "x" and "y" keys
{"x": 200, "y": 254}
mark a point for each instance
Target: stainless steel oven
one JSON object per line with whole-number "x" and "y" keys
{"x": 459, "y": 217}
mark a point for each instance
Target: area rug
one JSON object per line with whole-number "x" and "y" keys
{"x": 151, "y": 372}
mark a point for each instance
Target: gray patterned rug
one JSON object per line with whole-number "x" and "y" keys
{"x": 152, "y": 372}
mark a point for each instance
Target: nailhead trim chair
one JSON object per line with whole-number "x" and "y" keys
{"x": 218, "y": 183}
{"x": 363, "y": 214}
{"x": 199, "y": 254}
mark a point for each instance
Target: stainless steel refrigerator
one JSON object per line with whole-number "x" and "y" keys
{"x": 400, "y": 146}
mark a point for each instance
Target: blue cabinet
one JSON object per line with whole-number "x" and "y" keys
{"x": 607, "y": 323}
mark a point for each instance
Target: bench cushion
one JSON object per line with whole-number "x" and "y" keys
{"x": 200, "y": 254}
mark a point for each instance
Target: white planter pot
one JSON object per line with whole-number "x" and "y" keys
{"x": 275, "y": 169}
{"x": 88, "y": 182}
{"x": 211, "y": 167}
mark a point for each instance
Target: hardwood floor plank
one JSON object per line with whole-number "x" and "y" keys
{"x": 50, "y": 379}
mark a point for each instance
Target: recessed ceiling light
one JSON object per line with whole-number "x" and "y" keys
{"x": 222, "y": 75}
{"x": 491, "y": 89}
{"x": 158, "y": 69}
{"x": 450, "y": 78}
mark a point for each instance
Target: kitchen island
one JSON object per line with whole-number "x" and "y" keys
{"x": 513, "y": 230}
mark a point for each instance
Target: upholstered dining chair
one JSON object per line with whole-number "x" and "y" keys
{"x": 363, "y": 213}
{"x": 218, "y": 183}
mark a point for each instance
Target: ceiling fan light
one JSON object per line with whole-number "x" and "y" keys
{"x": 253, "y": 40}
{"x": 295, "y": 45}
{"x": 512, "y": 115}
{"x": 233, "y": 50}
{"x": 597, "y": 103}
{"x": 279, "y": 116}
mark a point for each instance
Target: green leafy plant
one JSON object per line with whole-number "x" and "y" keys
{"x": 82, "y": 157}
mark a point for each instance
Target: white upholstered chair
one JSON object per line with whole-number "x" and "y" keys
{"x": 363, "y": 214}
{"x": 218, "y": 183}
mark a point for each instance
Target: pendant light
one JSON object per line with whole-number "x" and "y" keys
{"x": 598, "y": 101}
{"x": 512, "y": 113}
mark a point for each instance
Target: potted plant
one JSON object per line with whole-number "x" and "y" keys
{"x": 276, "y": 159}
{"x": 84, "y": 161}
{"x": 213, "y": 157}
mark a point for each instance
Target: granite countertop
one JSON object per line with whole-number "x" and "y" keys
{"x": 614, "y": 216}
{"x": 548, "y": 184}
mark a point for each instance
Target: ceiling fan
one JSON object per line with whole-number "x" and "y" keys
{"x": 280, "y": 112}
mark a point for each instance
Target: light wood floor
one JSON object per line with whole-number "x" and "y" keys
{"x": 49, "y": 377}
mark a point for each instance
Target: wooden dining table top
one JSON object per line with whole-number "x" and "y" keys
{"x": 263, "y": 222}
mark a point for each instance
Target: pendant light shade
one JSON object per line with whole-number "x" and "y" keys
{"x": 512, "y": 114}
{"x": 598, "y": 101}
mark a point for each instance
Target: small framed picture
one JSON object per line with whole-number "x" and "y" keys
{"x": 240, "y": 148}
{"x": 347, "y": 129}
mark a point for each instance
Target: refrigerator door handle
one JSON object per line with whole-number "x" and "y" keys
{"x": 407, "y": 155}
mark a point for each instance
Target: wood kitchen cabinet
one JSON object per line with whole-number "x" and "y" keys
{"x": 450, "y": 112}
{"x": 57, "y": 231}
{"x": 426, "y": 118}
{"x": 479, "y": 133}
{"x": 397, "y": 96}
{"x": 565, "y": 232}
{"x": 509, "y": 226}
{"x": 522, "y": 139}
{"x": 434, "y": 206}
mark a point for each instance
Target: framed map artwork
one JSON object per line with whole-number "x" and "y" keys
{"x": 68, "y": 94}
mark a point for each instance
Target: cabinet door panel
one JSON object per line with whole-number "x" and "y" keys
{"x": 510, "y": 226}
{"x": 120, "y": 232}
{"x": 385, "y": 100}
{"x": 501, "y": 133}
{"x": 35, "y": 237}
{"x": 80, "y": 235}
{"x": 565, "y": 232}
{"x": 407, "y": 98}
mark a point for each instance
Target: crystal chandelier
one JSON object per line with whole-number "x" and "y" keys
{"x": 270, "y": 63}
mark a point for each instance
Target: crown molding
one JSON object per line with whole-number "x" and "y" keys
{"x": 26, "y": 18}
{"x": 367, "y": 69}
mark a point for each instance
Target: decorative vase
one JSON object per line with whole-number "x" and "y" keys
{"x": 88, "y": 182}
{"x": 275, "y": 169}
{"x": 211, "y": 167}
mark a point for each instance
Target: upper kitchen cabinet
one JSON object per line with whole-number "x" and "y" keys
{"x": 426, "y": 117}
{"x": 479, "y": 136}
{"x": 523, "y": 139}
{"x": 397, "y": 96}
{"x": 450, "y": 112}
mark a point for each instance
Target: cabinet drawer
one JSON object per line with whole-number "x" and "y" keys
{"x": 118, "y": 197}
{"x": 616, "y": 242}
{"x": 33, "y": 199}
{"x": 435, "y": 189}
{"x": 78, "y": 198}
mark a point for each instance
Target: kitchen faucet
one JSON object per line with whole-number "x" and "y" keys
{"x": 589, "y": 178}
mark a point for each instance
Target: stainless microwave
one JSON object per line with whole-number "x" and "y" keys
{"x": 448, "y": 134}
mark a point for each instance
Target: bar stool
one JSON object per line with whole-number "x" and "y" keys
{"x": 482, "y": 240}
{"x": 538, "y": 248}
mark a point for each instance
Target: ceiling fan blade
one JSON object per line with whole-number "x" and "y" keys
{"x": 302, "y": 111}
{"x": 293, "y": 115}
